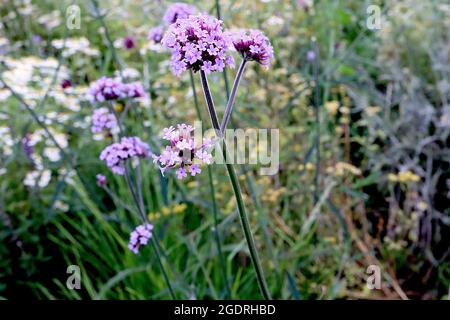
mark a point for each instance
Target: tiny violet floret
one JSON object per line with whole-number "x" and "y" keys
{"x": 107, "y": 89}
{"x": 66, "y": 83}
{"x": 253, "y": 45}
{"x": 134, "y": 90}
{"x": 116, "y": 154}
{"x": 177, "y": 11}
{"x": 128, "y": 42}
{"x": 140, "y": 237}
{"x": 198, "y": 43}
{"x": 101, "y": 180}
{"x": 156, "y": 34}
{"x": 103, "y": 121}
{"x": 184, "y": 153}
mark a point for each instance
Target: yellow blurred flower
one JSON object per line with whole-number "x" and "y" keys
{"x": 392, "y": 177}
{"x": 309, "y": 166}
{"x": 422, "y": 206}
{"x": 344, "y": 120}
{"x": 404, "y": 177}
{"x": 118, "y": 107}
{"x": 179, "y": 208}
{"x": 332, "y": 107}
{"x": 165, "y": 211}
{"x": 372, "y": 110}
{"x": 339, "y": 130}
{"x": 272, "y": 195}
{"x": 344, "y": 110}
{"x": 342, "y": 168}
{"x": 192, "y": 184}
{"x": 152, "y": 216}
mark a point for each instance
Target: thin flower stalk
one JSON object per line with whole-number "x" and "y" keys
{"x": 237, "y": 192}
{"x": 109, "y": 41}
{"x": 232, "y": 98}
{"x": 140, "y": 207}
{"x": 315, "y": 63}
{"x": 249, "y": 179}
{"x": 213, "y": 200}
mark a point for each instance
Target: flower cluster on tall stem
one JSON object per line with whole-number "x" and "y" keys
{"x": 194, "y": 43}
{"x": 198, "y": 43}
{"x": 103, "y": 121}
{"x": 155, "y": 34}
{"x": 253, "y": 45}
{"x": 178, "y": 10}
{"x": 118, "y": 153}
{"x": 237, "y": 192}
{"x": 140, "y": 237}
{"x": 107, "y": 89}
{"x": 184, "y": 153}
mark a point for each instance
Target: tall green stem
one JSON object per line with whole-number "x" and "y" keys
{"x": 237, "y": 192}
{"x": 248, "y": 178}
{"x": 317, "y": 120}
{"x": 139, "y": 203}
{"x": 109, "y": 41}
{"x": 213, "y": 200}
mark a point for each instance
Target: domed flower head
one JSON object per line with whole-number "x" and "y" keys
{"x": 177, "y": 11}
{"x": 156, "y": 34}
{"x": 253, "y": 45}
{"x": 184, "y": 153}
{"x": 101, "y": 180}
{"x": 134, "y": 90}
{"x": 128, "y": 42}
{"x": 116, "y": 154}
{"x": 66, "y": 83}
{"x": 106, "y": 89}
{"x": 198, "y": 43}
{"x": 140, "y": 237}
{"x": 103, "y": 121}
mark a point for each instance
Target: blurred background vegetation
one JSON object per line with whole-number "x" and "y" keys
{"x": 375, "y": 103}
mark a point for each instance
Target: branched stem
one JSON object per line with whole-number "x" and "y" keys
{"x": 139, "y": 203}
{"x": 213, "y": 200}
{"x": 210, "y": 103}
{"x": 237, "y": 192}
{"x": 232, "y": 98}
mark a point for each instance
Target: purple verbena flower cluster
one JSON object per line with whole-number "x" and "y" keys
{"x": 105, "y": 89}
{"x": 140, "y": 237}
{"x": 103, "y": 121}
{"x": 27, "y": 146}
{"x": 134, "y": 90}
{"x": 177, "y": 11}
{"x": 128, "y": 42}
{"x": 253, "y": 45}
{"x": 183, "y": 153}
{"x": 156, "y": 34}
{"x": 101, "y": 180}
{"x": 117, "y": 153}
{"x": 65, "y": 83}
{"x": 198, "y": 43}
